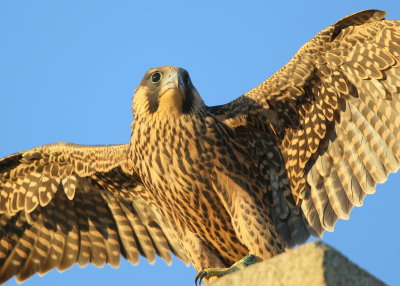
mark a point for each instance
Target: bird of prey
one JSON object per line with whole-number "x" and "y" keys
{"x": 221, "y": 187}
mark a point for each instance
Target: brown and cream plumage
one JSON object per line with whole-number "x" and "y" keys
{"x": 212, "y": 184}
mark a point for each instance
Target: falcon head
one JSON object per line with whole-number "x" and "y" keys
{"x": 166, "y": 91}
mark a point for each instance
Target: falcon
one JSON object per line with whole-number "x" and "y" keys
{"x": 221, "y": 187}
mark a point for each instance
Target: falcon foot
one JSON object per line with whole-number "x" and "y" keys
{"x": 218, "y": 272}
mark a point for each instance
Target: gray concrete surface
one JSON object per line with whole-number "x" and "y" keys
{"x": 313, "y": 264}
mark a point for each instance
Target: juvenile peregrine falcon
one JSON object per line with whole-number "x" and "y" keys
{"x": 220, "y": 187}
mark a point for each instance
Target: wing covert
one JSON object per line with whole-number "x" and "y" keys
{"x": 335, "y": 109}
{"x": 62, "y": 204}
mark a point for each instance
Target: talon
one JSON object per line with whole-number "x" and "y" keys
{"x": 218, "y": 272}
{"x": 199, "y": 277}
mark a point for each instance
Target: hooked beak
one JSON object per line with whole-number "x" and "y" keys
{"x": 173, "y": 82}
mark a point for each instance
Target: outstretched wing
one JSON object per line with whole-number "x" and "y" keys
{"x": 335, "y": 111}
{"x": 62, "y": 204}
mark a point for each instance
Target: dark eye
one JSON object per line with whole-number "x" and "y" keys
{"x": 155, "y": 77}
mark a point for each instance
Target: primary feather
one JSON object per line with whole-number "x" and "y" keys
{"x": 211, "y": 184}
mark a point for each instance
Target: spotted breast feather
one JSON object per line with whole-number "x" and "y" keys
{"x": 222, "y": 186}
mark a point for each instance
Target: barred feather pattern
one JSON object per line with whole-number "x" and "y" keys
{"x": 62, "y": 204}
{"x": 259, "y": 174}
{"x": 335, "y": 111}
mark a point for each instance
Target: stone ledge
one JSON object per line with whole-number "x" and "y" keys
{"x": 313, "y": 264}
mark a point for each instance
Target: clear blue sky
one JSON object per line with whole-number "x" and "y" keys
{"x": 68, "y": 70}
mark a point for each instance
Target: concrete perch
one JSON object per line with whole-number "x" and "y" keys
{"x": 313, "y": 264}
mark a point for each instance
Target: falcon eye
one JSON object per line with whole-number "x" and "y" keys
{"x": 155, "y": 77}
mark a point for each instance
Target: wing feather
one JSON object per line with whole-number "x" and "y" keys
{"x": 335, "y": 109}
{"x": 62, "y": 204}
